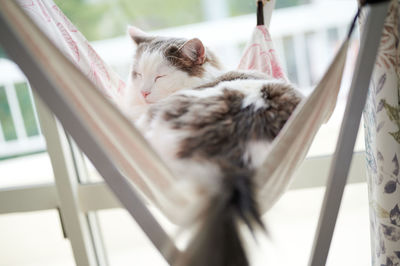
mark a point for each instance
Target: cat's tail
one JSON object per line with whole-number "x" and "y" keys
{"x": 218, "y": 242}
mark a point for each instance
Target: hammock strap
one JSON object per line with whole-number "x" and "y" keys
{"x": 353, "y": 23}
{"x": 264, "y": 12}
{"x": 362, "y": 4}
{"x": 260, "y": 13}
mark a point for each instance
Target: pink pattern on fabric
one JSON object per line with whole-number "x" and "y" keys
{"x": 98, "y": 71}
{"x": 71, "y": 27}
{"x": 247, "y": 60}
{"x": 276, "y": 68}
{"x": 44, "y": 12}
{"x": 121, "y": 86}
{"x": 34, "y": 9}
{"x": 26, "y": 3}
{"x": 71, "y": 43}
{"x": 260, "y": 55}
{"x": 265, "y": 64}
{"x": 265, "y": 32}
{"x": 50, "y": 18}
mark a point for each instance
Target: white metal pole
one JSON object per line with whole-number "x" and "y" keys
{"x": 123, "y": 190}
{"x": 66, "y": 182}
{"x": 344, "y": 150}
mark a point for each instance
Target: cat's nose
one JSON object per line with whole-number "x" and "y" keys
{"x": 145, "y": 93}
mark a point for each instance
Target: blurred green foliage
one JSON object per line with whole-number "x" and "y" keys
{"x": 288, "y": 3}
{"x": 27, "y": 111}
{"x": 101, "y": 19}
{"x": 109, "y": 18}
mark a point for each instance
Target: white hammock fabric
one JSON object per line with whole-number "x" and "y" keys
{"x": 125, "y": 146}
{"x": 293, "y": 142}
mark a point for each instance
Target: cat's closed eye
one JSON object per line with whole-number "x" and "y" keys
{"x": 136, "y": 74}
{"x": 158, "y": 77}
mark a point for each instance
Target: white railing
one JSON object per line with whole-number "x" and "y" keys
{"x": 10, "y": 75}
{"x": 305, "y": 38}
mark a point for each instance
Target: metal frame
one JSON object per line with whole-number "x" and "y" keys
{"x": 19, "y": 52}
{"x": 97, "y": 196}
{"x": 30, "y": 198}
{"x": 74, "y": 199}
{"x": 74, "y": 221}
{"x": 370, "y": 40}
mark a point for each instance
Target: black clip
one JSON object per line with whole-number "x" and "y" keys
{"x": 260, "y": 13}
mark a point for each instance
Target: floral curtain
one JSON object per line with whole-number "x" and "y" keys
{"x": 382, "y": 141}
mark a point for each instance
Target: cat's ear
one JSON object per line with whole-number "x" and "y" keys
{"x": 138, "y": 36}
{"x": 194, "y": 50}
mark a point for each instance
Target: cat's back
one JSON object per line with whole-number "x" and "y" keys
{"x": 205, "y": 131}
{"x": 222, "y": 116}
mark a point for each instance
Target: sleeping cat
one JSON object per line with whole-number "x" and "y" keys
{"x": 163, "y": 66}
{"x": 210, "y": 127}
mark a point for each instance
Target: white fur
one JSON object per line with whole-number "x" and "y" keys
{"x": 250, "y": 88}
{"x": 203, "y": 93}
{"x": 254, "y": 98}
{"x": 166, "y": 141}
{"x": 256, "y": 152}
{"x": 151, "y": 65}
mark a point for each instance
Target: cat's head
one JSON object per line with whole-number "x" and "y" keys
{"x": 163, "y": 65}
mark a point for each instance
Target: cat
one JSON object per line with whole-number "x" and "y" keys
{"x": 211, "y": 127}
{"x": 163, "y": 66}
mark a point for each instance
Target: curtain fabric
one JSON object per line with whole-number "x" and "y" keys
{"x": 382, "y": 143}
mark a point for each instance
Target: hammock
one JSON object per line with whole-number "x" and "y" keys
{"x": 83, "y": 82}
{"x": 124, "y": 144}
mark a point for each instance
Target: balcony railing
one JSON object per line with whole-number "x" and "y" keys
{"x": 19, "y": 125}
